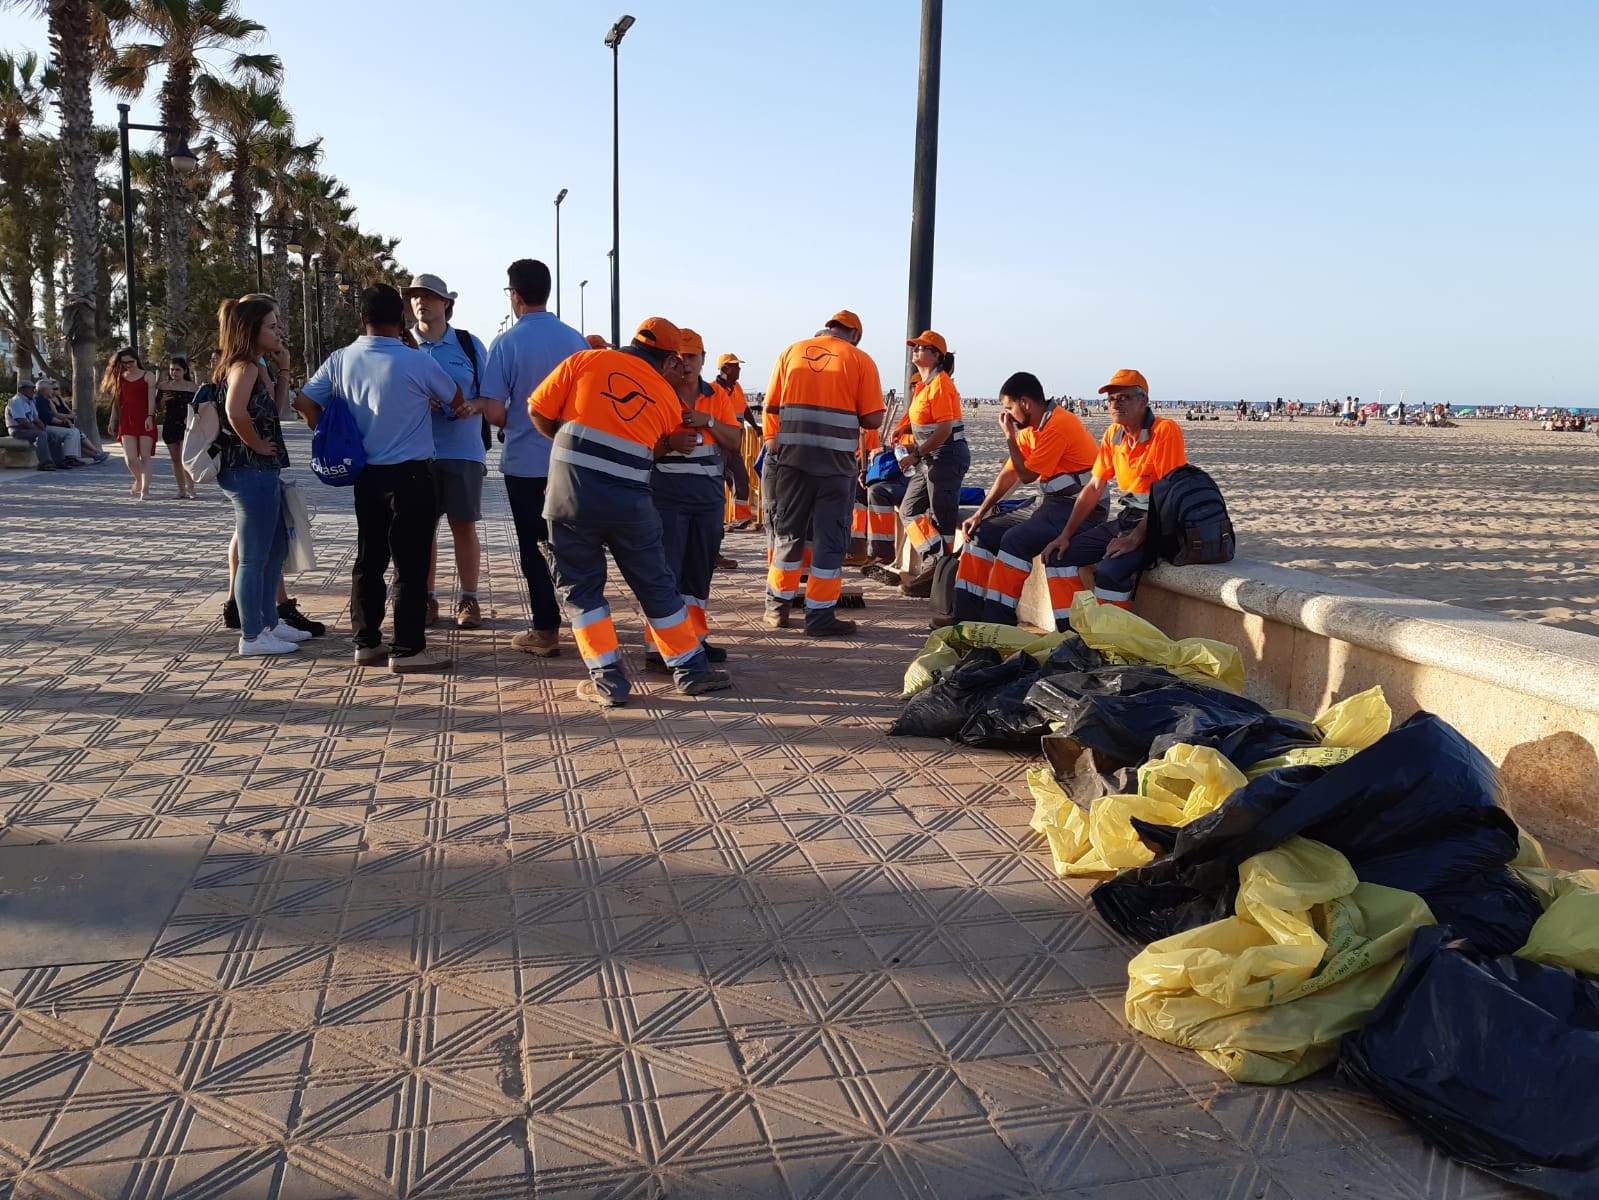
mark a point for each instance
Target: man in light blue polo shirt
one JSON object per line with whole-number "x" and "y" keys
{"x": 460, "y": 449}
{"x": 518, "y": 362}
{"x": 392, "y": 391}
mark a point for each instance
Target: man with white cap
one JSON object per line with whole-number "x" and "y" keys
{"x": 460, "y": 448}
{"x": 22, "y": 420}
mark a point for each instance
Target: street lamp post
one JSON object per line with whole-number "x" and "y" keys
{"x": 559, "y": 197}
{"x": 614, "y": 41}
{"x": 924, "y": 187}
{"x": 294, "y": 247}
{"x": 582, "y": 307}
{"x": 183, "y": 162}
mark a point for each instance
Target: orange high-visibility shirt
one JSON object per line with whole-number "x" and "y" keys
{"x": 703, "y": 464}
{"x": 617, "y": 397}
{"x": 735, "y": 397}
{"x": 1060, "y": 444}
{"x": 1137, "y": 462}
{"x": 820, "y": 389}
{"x": 936, "y": 403}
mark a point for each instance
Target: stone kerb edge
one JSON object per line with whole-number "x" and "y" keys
{"x": 1556, "y": 665}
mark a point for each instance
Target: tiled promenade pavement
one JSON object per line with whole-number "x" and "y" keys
{"x": 288, "y": 928}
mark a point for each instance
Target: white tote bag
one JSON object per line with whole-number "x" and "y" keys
{"x": 297, "y": 516}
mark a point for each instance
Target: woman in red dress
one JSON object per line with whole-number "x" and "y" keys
{"x": 131, "y": 389}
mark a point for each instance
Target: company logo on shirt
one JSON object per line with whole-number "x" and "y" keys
{"x": 626, "y": 395}
{"x": 817, "y": 358}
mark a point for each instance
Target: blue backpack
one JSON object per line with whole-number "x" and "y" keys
{"x": 337, "y": 453}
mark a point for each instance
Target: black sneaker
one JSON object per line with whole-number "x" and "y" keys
{"x": 230, "y": 614}
{"x": 289, "y": 613}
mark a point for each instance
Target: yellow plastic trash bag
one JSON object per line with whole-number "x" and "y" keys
{"x": 1265, "y": 995}
{"x": 1187, "y": 783}
{"x": 1198, "y": 778}
{"x": 946, "y": 647}
{"x": 1357, "y": 722}
{"x": 1567, "y": 935}
{"x": 1346, "y": 728}
{"x": 1117, "y": 632}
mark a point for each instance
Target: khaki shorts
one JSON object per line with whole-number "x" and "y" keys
{"x": 459, "y": 485}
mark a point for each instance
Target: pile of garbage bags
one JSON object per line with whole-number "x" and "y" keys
{"x": 1310, "y": 890}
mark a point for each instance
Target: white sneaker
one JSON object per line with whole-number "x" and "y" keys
{"x": 265, "y": 643}
{"x": 288, "y": 633}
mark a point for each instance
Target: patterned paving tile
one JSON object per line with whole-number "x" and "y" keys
{"x": 466, "y": 937}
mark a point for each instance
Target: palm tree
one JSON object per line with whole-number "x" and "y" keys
{"x": 185, "y": 31}
{"x": 282, "y": 158}
{"x": 239, "y": 115}
{"x": 22, "y": 95}
{"x": 80, "y": 42}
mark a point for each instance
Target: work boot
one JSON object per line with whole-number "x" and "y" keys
{"x": 467, "y": 613}
{"x": 724, "y": 563}
{"x": 776, "y": 620}
{"x": 289, "y": 614}
{"x": 541, "y": 643}
{"x": 858, "y": 560}
{"x": 591, "y": 691}
{"x": 654, "y": 662}
{"x": 715, "y": 654}
{"x": 942, "y": 621}
{"x": 711, "y": 681}
{"x": 920, "y": 587}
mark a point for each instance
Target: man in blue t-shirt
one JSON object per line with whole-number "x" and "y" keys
{"x": 519, "y": 360}
{"x": 391, "y": 391}
{"x": 460, "y": 453}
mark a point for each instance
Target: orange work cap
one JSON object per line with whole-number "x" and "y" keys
{"x": 661, "y": 334}
{"x": 689, "y": 342}
{"x": 597, "y": 342}
{"x": 1126, "y": 379}
{"x": 845, "y": 318}
{"x": 929, "y": 338}
{"x": 728, "y": 360}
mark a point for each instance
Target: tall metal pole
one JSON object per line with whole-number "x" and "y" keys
{"x": 559, "y": 197}
{"x": 616, "y": 192}
{"x": 582, "y": 306}
{"x": 127, "y": 230}
{"x": 924, "y": 194}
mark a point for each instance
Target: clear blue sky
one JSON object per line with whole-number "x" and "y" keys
{"x": 1241, "y": 199}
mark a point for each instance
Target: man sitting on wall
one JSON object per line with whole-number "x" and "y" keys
{"x": 1138, "y": 449}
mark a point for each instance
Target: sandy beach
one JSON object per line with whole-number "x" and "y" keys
{"x": 1493, "y": 515}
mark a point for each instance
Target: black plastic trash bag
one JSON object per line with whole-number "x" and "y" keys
{"x": 1123, "y": 727}
{"x": 1073, "y": 654}
{"x": 1006, "y": 720}
{"x": 1419, "y": 810}
{"x": 1492, "y": 1058}
{"x": 961, "y": 692}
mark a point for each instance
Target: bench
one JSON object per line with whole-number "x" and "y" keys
{"x": 14, "y": 452}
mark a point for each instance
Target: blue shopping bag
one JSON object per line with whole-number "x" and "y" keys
{"x": 337, "y": 454}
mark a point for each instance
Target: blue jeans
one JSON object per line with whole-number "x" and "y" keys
{"x": 257, "y": 497}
